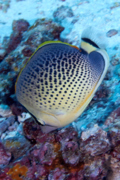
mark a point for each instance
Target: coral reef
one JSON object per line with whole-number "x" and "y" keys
{"x": 57, "y": 173}
{"x": 18, "y": 27}
{"x": 62, "y": 154}
{"x": 37, "y": 172}
{"x": 90, "y": 147}
{"x": 19, "y": 47}
{"x": 98, "y": 142}
{"x": 17, "y": 172}
{"x": 70, "y": 153}
{"x": 96, "y": 169}
{"x": 5, "y": 155}
{"x": 6, "y": 123}
{"x": 17, "y": 146}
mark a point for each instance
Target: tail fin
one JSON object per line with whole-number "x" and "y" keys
{"x": 92, "y": 39}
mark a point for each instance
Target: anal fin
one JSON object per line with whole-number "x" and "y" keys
{"x": 48, "y": 119}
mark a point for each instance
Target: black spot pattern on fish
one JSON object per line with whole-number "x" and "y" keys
{"x": 57, "y": 76}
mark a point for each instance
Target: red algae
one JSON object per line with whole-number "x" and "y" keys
{"x": 50, "y": 155}
{"x": 15, "y": 39}
{"x": 20, "y": 25}
{"x": 19, "y": 47}
{"x": 63, "y": 155}
{"x": 67, "y": 134}
{"x": 5, "y": 155}
{"x": 32, "y": 131}
{"x": 27, "y": 51}
{"x": 16, "y": 108}
{"x": 71, "y": 153}
{"x": 113, "y": 117}
{"x": 57, "y": 174}
{"x": 37, "y": 172}
{"x": 47, "y": 154}
{"x": 94, "y": 142}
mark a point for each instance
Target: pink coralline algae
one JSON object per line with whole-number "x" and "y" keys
{"x": 116, "y": 152}
{"x": 112, "y": 123}
{"x": 113, "y": 117}
{"x": 18, "y": 27}
{"x": 4, "y": 176}
{"x": 32, "y": 131}
{"x": 27, "y": 51}
{"x": 5, "y": 155}
{"x": 62, "y": 154}
{"x": 17, "y": 49}
{"x": 16, "y": 108}
{"x": 36, "y": 172}
{"x": 44, "y": 153}
{"x": 94, "y": 142}
{"x": 96, "y": 169}
{"x": 67, "y": 134}
{"x": 41, "y": 31}
{"x": 71, "y": 153}
{"x": 57, "y": 174}
{"x": 102, "y": 93}
{"x": 76, "y": 175}
{"x": 114, "y": 134}
{"x": 47, "y": 153}
{"x": 70, "y": 150}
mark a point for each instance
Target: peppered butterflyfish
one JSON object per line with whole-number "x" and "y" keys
{"x": 59, "y": 80}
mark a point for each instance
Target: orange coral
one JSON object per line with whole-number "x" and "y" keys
{"x": 17, "y": 172}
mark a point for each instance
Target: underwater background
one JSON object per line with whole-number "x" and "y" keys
{"x": 88, "y": 148}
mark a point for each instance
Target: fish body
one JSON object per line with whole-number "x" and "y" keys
{"x": 59, "y": 80}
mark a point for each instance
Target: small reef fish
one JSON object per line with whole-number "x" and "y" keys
{"x": 59, "y": 80}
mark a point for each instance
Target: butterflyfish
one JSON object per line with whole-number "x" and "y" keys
{"x": 59, "y": 80}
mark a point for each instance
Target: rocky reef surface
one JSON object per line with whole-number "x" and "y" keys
{"x": 19, "y": 47}
{"x": 62, "y": 154}
{"x": 89, "y": 148}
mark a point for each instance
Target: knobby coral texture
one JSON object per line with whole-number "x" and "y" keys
{"x": 19, "y": 47}
{"x": 62, "y": 154}
{"x": 89, "y": 148}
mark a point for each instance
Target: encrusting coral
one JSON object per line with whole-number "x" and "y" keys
{"x": 17, "y": 172}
